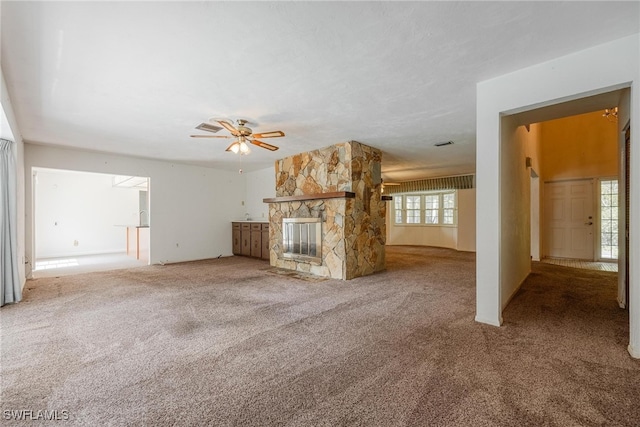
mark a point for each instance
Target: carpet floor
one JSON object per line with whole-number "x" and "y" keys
{"x": 228, "y": 342}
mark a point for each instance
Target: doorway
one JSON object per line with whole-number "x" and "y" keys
{"x": 81, "y": 221}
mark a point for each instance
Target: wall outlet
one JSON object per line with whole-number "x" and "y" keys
{"x": 75, "y": 243}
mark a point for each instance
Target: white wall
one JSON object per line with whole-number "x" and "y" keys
{"x": 442, "y": 237}
{"x": 191, "y": 207}
{"x": 259, "y": 185}
{"x": 20, "y": 179}
{"x": 610, "y": 66}
{"x": 79, "y": 213}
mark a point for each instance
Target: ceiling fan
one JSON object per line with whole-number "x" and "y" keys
{"x": 242, "y": 133}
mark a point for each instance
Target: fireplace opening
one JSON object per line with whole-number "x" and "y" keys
{"x": 302, "y": 238}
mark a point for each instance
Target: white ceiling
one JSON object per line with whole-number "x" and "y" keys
{"x": 136, "y": 78}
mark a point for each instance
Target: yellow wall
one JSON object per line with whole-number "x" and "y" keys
{"x": 516, "y": 144}
{"x": 582, "y": 146}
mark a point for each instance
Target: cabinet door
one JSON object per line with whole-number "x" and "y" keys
{"x": 256, "y": 243}
{"x": 265, "y": 245}
{"x": 237, "y": 241}
{"x": 246, "y": 240}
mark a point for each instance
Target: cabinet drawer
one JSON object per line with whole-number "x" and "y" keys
{"x": 236, "y": 225}
{"x": 246, "y": 226}
{"x": 256, "y": 227}
{"x": 265, "y": 227}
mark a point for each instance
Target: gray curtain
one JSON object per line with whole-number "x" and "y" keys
{"x": 10, "y": 286}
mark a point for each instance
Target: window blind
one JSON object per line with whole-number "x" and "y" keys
{"x": 460, "y": 182}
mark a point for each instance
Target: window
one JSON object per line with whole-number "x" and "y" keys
{"x": 431, "y": 211}
{"x": 609, "y": 219}
{"x": 448, "y": 208}
{"x": 413, "y": 209}
{"x": 432, "y": 208}
{"x": 397, "y": 203}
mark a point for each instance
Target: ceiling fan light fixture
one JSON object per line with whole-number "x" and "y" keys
{"x": 235, "y": 147}
{"x": 244, "y": 148}
{"x": 611, "y": 114}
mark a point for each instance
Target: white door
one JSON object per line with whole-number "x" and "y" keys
{"x": 569, "y": 219}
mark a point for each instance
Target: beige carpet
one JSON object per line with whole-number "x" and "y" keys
{"x": 227, "y": 342}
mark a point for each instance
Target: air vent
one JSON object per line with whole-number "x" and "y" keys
{"x": 209, "y": 127}
{"x": 442, "y": 144}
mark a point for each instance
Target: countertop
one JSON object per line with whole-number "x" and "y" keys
{"x": 131, "y": 225}
{"x": 261, "y": 220}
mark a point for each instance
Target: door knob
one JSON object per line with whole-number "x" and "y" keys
{"x": 588, "y": 223}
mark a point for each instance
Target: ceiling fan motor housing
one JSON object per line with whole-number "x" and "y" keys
{"x": 244, "y": 131}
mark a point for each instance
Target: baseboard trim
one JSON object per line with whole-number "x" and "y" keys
{"x": 635, "y": 353}
{"x": 489, "y": 322}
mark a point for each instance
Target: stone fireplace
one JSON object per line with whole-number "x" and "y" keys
{"x": 328, "y": 216}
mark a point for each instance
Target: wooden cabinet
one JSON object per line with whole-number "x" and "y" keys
{"x": 251, "y": 239}
{"x": 265, "y": 242}
{"x": 236, "y": 234}
{"x": 256, "y": 240}
{"x": 245, "y": 238}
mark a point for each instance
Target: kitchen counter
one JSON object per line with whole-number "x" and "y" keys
{"x": 137, "y": 241}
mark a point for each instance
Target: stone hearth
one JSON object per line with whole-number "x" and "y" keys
{"x": 341, "y": 185}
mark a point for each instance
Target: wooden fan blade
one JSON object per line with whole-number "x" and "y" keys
{"x": 228, "y": 126}
{"x": 272, "y": 134}
{"x": 263, "y": 145}
{"x": 212, "y": 136}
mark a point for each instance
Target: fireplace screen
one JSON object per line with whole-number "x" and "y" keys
{"x": 302, "y": 238}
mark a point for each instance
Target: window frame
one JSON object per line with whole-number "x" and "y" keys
{"x": 602, "y": 220}
{"x": 423, "y": 208}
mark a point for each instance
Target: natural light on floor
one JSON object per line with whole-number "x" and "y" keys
{"x": 56, "y": 263}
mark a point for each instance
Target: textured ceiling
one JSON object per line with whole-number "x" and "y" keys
{"x": 136, "y": 78}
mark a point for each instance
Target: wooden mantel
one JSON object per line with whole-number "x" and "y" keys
{"x": 319, "y": 196}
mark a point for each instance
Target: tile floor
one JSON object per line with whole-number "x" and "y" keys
{"x": 53, "y": 267}
{"x": 585, "y": 265}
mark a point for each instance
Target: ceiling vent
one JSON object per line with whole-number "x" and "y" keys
{"x": 209, "y": 127}
{"x": 442, "y": 144}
